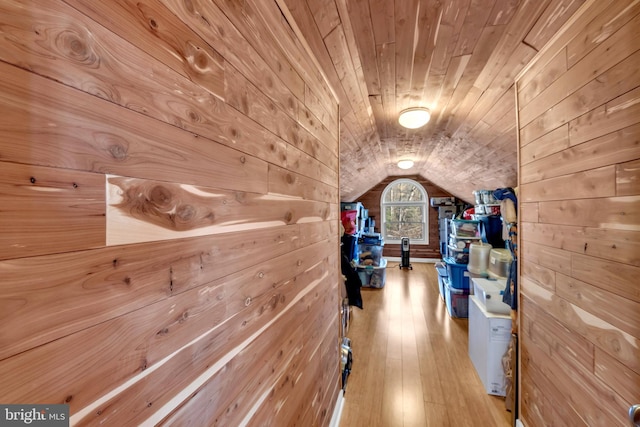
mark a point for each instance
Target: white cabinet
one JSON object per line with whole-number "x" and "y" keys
{"x": 489, "y": 336}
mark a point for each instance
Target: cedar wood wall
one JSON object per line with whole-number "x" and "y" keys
{"x": 579, "y": 130}
{"x": 371, "y": 201}
{"x": 169, "y": 214}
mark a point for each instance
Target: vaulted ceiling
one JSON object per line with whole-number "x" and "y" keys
{"x": 458, "y": 58}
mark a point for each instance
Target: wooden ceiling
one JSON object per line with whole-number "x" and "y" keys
{"x": 459, "y": 58}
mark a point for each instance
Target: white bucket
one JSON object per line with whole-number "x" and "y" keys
{"x": 479, "y": 258}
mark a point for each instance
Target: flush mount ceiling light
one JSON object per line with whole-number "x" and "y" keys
{"x": 405, "y": 164}
{"x": 413, "y": 118}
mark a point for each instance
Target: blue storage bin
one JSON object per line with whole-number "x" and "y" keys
{"x": 457, "y": 300}
{"x": 458, "y": 274}
{"x": 373, "y": 277}
{"x": 373, "y": 253}
{"x": 441, "y": 268}
{"x": 371, "y": 239}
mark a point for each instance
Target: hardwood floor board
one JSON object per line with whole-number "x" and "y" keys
{"x": 411, "y": 365}
{"x": 437, "y": 415}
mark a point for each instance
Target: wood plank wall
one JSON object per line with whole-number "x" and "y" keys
{"x": 169, "y": 214}
{"x": 579, "y": 131}
{"x": 371, "y": 201}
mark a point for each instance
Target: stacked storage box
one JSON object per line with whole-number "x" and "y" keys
{"x": 489, "y": 336}
{"x": 457, "y": 286}
{"x": 463, "y": 233}
{"x": 441, "y": 268}
{"x": 372, "y": 267}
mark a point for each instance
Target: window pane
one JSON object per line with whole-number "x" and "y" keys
{"x": 409, "y": 213}
{"x": 398, "y": 230}
{"x": 403, "y": 192}
{"x": 404, "y": 221}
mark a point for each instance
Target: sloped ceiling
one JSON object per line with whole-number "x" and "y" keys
{"x": 458, "y": 58}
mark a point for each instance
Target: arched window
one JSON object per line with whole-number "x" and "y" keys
{"x": 404, "y": 212}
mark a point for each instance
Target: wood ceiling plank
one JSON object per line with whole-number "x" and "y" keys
{"x": 325, "y": 14}
{"x": 503, "y": 11}
{"x": 362, "y": 32}
{"x": 436, "y": 75}
{"x": 517, "y": 28}
{"x": 550, "y": 22}
{"x": 502, "y": 86}
{"x": 405, "y": 24}
{"x": 475, "y": 20}
{"x": 305, "y": 20}
{"x": 486, "y": 43}
{"x": 383, "y": 21}
{"x": 386, "y": 54}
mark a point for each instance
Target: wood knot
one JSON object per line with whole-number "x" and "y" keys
{"x": 74, "y": 45}
{"x": 160, "y": 196}
{"x": 194, "y": 116}
{"x": 288, "y": 217}
{"x": 186, "y": 213}
{"x": 153, "y": 24}
{"x": 32, "y": 180}
{"x": 201, "y": 60}
{"x": 243, "y": 160}
{"x": 118, "y": 151}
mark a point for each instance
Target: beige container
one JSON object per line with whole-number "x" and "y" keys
{"x": 479, "y": 257}
{"x": 499, "y": 263}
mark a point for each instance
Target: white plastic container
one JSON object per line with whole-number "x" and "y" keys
{"x": 499, "y": 263}
{"x": 489, "y": 336}
{"x": 479, "y": 257}
{"x": 489, "y": 294}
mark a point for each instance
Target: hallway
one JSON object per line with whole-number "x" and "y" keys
{"x": 411, "y": 367}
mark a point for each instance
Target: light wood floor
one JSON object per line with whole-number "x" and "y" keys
{"x": 411, "y": 365}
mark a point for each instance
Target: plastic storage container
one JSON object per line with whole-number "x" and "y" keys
{"x": 457, "y": 274}
{"x": 479, "y": 257}
{"x": 459, "y": 256}
{"x": 369, "y": 254}
{"x": 462, "y": 228}
{"x": 489, "y": 336}
{"x": 457, "y": 300}
{"x": 499, "y": 263}
{"x": 489, "y": 294}
{"x": 441, "y": 268}
{"x": 373, "y": 277}
{"x": 462, "y": 242}
{"x": 371, "y": 239}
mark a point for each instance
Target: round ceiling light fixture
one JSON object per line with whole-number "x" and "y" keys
{"x": 414, "y": 118}
{"x": 405, "y": 164}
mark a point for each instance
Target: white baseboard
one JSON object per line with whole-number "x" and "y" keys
{"x": 337, "y": 411}
{"x": 414, "y": 260}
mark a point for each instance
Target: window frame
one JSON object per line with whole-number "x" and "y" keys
{"x": 424, "y": 204}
